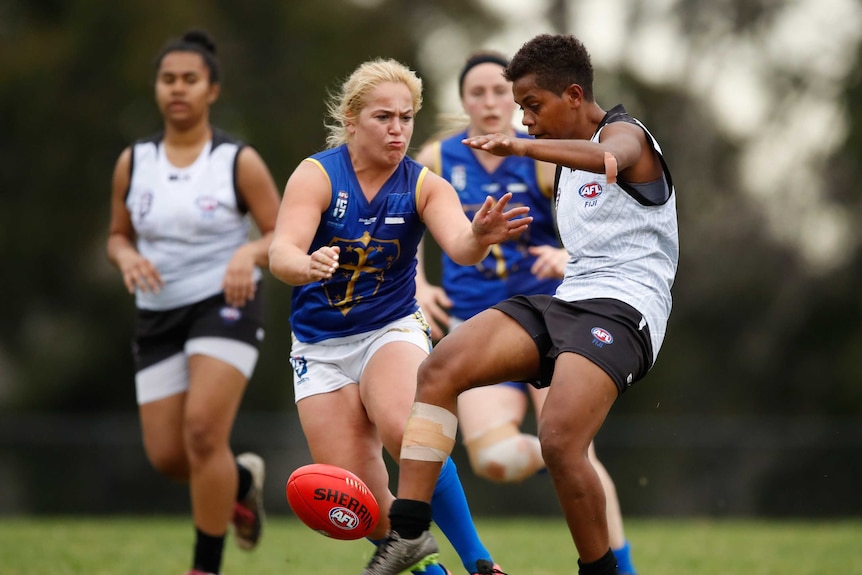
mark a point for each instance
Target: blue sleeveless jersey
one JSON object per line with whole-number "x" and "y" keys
{"x": 375, "y": 282}
{"x": 506, "y": 270}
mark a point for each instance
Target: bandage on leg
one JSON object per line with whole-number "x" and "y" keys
{"x": 504, "y": 454}
{"x": 429, "y": 434}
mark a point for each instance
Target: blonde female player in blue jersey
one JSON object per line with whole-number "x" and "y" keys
{"x": 532, "y": 263}
{"x": 179, "y": 234}
{"x": 350, "y": 222}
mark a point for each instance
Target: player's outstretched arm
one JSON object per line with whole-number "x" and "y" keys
{"x": 464, "y": 241}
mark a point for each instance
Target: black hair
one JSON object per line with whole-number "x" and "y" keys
{"x": 558, "y": 61}
{"x": 482, "y": 57}
{"x": 196, "y": 41}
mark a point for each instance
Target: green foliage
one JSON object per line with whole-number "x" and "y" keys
{"x": 76, "y": 87}
{"x": 753, "y": 334}
{"x": 147, "y": 545}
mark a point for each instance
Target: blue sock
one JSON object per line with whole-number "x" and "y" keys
{"x": 624, "y": 560}
{"x": 433, "y": 569}
{"x": 452, "y": 515}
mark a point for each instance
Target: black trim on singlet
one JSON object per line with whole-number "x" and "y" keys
{"x": 222, "y": 137}
{"x": 219, "y": 137}
{"x": 152, "y": 139}
{"x": 618, "y": 114}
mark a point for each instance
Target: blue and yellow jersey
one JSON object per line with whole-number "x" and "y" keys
{"x": 375, "y": 281}
{"x": 506, "y": 270}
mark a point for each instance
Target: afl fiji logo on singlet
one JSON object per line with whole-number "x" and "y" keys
{"x": 590, "y": 192}
{"x": 601, "y": 337}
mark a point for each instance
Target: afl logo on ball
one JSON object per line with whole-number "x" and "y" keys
{"x": 601, "y": 336}
{"x": 343, "y": 518}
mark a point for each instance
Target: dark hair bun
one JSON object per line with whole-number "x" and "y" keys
{"x": 200, "y": 38}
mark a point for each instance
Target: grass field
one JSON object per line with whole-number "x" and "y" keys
{"x": 162, "y": 546}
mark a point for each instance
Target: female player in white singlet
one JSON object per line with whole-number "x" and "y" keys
{"x": 601, "y": 331}
{"x": 179, "y": 234}
{"x": 490, "y": 417}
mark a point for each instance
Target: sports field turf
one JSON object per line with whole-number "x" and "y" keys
{"x": 162, "y": 546}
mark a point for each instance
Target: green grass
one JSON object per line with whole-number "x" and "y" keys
{"x": 162, "y": 546}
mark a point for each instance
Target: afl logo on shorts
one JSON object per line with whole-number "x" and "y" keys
{"x": 230, "y": 314}
{"x": 601, "y": 337}
{"x": 590, "y": 191}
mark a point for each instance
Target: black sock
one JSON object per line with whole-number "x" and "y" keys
{"x": 607, "y": 565}
{"x": 245, "y": 481}
{"x": 409, "y": 518}
{"x": 208, "y": 552}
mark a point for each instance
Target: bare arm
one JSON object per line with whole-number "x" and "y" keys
{"x": 431, "y": 298}
{"x": 138, "y": 272}
{"x": 257, "y": 188}
{"x": 464, "y": 241}
{"x": 635, "y": 158}
{"x": 306, "y": 196}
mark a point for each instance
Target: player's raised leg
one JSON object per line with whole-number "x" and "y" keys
{"x": 430, "y": 433}
{"x": 384, "y": 372}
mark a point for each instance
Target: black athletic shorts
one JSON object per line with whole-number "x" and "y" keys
{"x": 608, "y": 332}
{"x": 164, "y": 333}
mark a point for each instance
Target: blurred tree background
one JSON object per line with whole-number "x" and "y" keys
{"x": 755, "y": 404}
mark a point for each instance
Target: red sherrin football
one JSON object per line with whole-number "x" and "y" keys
{"x": 332, "y": 501}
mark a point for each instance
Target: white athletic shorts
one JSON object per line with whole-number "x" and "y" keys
{"x": 331, "y": 364}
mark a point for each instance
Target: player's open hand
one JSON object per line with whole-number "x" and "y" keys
{"x": 492, "y": 225}
{"x": 139, "y": 272}
{"x": 498, "y": 144}
{"x": 238, "y": 283}
{"x": 550, "y": 262}
{"x": 434, "y": 304}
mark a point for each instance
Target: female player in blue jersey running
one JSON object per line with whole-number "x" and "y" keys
{"x": 346, "y": 237}
{"x": 532, "y": 263}
{"x": 179, "y": 234}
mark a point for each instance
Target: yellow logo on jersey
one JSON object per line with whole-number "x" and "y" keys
{"x": 361, "y": 270}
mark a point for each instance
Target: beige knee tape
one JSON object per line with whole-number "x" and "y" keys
{"x": 505, "y": 454}
{"x": 429, "y": 434}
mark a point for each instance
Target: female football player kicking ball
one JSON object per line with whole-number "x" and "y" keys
{"x": 595, "y": 337}
{"x": 490, "y": 417}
